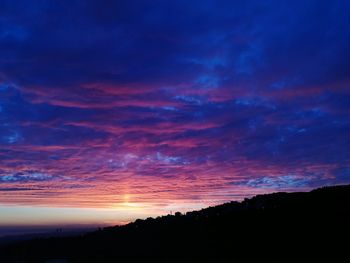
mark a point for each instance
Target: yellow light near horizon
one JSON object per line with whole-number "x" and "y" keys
{"x": 126, "y": 198}
{"x": 127, "y": 205}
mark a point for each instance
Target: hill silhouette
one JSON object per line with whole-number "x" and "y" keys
{"x": 280, "y": 227}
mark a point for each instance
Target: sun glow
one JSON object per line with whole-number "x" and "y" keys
{"x": 127, "y": 205}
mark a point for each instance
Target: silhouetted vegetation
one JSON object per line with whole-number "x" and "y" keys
{"x": 280, "y": 227}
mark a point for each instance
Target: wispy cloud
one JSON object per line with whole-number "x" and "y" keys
{"x": 26, "y": 176}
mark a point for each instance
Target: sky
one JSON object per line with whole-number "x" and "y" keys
{"x": 115, "y": 110}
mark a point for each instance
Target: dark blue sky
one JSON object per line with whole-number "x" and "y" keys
{"x": 163, "y": 103}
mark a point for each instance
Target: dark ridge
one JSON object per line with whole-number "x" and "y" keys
{"x": 279, "y": 227}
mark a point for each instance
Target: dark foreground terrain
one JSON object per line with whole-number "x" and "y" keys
{"x": 280, "y": 227}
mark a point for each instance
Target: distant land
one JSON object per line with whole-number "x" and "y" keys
{"x": 280, "y": 227}
{"x": 32, "y": 230}
{"x": 15, "y": 234}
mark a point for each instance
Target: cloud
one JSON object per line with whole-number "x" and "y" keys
{"x": 27, "y": 176}
{"x": 233, "y": 98}
{"x": 280, "y": 182}
{"x": 15, "y": 189}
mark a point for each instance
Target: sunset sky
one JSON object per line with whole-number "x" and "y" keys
{"x": 115, "y": 110}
